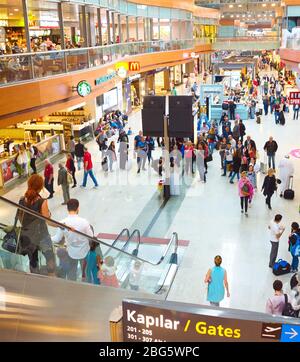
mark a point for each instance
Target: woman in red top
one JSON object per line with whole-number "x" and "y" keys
{"x": 188, "y": 156}
{"x": 70, "y": 166}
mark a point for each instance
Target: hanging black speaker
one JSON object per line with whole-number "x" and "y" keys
{"x": 181, "y": 120}
{"x": 154, "y": 108}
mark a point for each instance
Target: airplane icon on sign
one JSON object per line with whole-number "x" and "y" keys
{"x": 272, "y": 331}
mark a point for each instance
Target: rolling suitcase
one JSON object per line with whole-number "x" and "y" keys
{"x": 289, "y": 194}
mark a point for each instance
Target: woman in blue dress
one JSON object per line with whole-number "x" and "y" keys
{"x": 92, "y": 264}
{"x": 216, "y": 278}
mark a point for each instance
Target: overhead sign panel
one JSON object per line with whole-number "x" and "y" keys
{"x": 149, "y": 321}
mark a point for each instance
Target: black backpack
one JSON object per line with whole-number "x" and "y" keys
{"x": 288, "y": 310}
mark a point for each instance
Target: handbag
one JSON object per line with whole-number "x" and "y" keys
{"x": 12, "y": 237}
{"x": 209, "y": 158}
{"x": 69, "y": 178}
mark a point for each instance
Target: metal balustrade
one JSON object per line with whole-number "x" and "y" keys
{"x": 28, "y": 66}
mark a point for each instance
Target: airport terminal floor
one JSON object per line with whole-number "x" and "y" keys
{"x": 207, "y": 214}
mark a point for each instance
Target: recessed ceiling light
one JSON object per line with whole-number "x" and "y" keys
{"x": 264, "y": 5}
{"x": 273, "y": 4}
{"x": 231, "y": 6}
{"x": 231, "y": 16}
{"x": 237, "y": 16}
{"x": 244, "y": 15}
{"x": 222, "y": 16}
{"x": 240, "y": 5}
{"x": 16, "y": 9}
{"x": 11, "y": 14}
{"x": 259, "y": 15}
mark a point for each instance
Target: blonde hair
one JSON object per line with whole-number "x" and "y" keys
{"x": 109, "y": 261}
{"x": 271, "y": 171}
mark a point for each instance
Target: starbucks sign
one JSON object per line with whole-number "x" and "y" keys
{"x": 84, "y": 88}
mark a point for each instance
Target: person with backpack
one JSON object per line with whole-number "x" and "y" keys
{"x": 276, "y": 230}
{"x": 294, "y": 246}
{"x": 275, "y": 304}
{"x": 246, "y": 191}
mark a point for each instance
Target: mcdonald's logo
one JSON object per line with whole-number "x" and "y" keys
{"x": 134, "y": 66}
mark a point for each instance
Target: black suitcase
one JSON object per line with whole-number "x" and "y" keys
{"x": 104, "y": 164}
{"x": 289, "y": 194}
{"x": 258, "y": 119}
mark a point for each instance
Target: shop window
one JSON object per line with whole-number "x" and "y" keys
{"x": 12, "y": 31}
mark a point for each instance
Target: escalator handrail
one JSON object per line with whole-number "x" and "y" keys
{"x": 136, "y": 231}
{"x": 117, "y": 239}
{"x": 63, "y": 226}
{"x": 174, "y": 237}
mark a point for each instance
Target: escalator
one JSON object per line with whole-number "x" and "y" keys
{"x": 156, "y": 275}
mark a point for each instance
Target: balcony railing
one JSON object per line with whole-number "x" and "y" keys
{"x": 27, "y": 66}
{"x": 293, "y": 43}
{"x": 246, "y": 43}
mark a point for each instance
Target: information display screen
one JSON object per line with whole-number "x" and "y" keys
{"x": 151, "y": 323}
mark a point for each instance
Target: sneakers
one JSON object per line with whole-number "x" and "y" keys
{"x": 73, "y": 186}
{"x": 83, "y": 187}
{"x": 242, "y": 211}
{"x": 246, "y": 214}
{"x": 96, "y": 186}
{"x": 231, "y": 182}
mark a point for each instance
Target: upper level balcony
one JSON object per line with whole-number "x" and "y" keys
{"x": 22, "y": 67}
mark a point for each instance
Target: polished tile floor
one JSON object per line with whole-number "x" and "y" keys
{"x": 206, "y": 214}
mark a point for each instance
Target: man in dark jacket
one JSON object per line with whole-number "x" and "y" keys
{"x": 242, "y": 130}
{"x": 250, "y": 142}
{"x": 63, "y": 181}
{"x": 271, "y": 147}
{"x": 236, "y": 131}
{"x": 79, "y": 153}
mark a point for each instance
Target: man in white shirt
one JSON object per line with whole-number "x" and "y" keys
{"x": 232, "y": 142}
{"x": 77, "y": 246}
{"x": 276, "y": 230}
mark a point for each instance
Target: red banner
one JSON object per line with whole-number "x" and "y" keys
{"x": 294, "y": 98}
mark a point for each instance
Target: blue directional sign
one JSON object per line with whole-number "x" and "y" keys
{"x": 290, "y": 333}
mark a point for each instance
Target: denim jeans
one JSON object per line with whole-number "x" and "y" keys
{"x": 211, "y": 147}
{"x": 295, "y": 262}
{"x": 91, "y": 173}
{"x": 276, "y": 114}
{"x": 233, "y": 175}
{"x": 271, "y": 160}
{"x": 79, "y": 162}
{"x": 225, "y": 166}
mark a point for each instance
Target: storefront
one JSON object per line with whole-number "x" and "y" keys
{"x": 176, "y": 74}
{"x": 11, "y": 169}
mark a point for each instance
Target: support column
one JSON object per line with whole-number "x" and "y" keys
{"x": 151, "y": 28}
{"x": 145, "y": 29}
{"x": 108, "y": 27}
{"x": 113, "y": 27}
{"x": 99, "y": 26}
{"x": 61, "y": 25}
{"x": 127, "y": 27}
{"x": 26, "y": 25}
{"x": 158, "y": 27}
{"x": 167, "y": 80}
{"x": 137, "y": 28}
{"x": 120, "y": 28}
{"x": 170, "y": 29}
{"x": 84, "y": 26}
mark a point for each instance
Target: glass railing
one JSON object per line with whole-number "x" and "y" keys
{"x": 293, "y": 43}
{"x": 246, "y": 43}
{"x": 30, "y": 242}
{"x": 27, "y": 66}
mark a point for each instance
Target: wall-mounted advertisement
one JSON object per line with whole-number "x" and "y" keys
{"x": 110, "y": 99}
